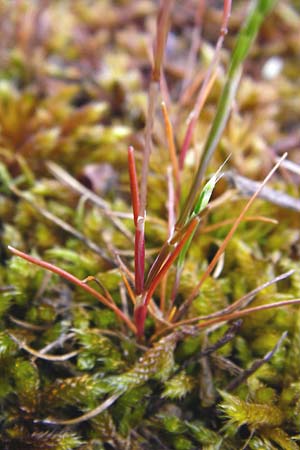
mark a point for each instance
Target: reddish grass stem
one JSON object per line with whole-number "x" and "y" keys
{"x": 245, "y": 312}
{"x": 163, "y": 19}
{"x": 139, "y": 243}
{"x": 158, "y": 54}
{"x": 134, "y": 188}
{"x": 140, "y": 312}
{"x": 69, "y": 277}
{"x": 171, "y": 258}
{"x": 227, "y": 317}
{"x": 139, "y": 256}
{"x": 207, "y": 84}
{"x": 171, "y": 203}
{"x": 171, "y": 145}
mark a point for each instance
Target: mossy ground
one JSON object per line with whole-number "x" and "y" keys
{"x": 73, "y": 90}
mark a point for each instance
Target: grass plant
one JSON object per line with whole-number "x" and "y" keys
{"x": 188, "y": 338}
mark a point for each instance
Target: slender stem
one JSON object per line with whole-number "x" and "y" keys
{"x": 41, "y": 355}
{"x": 134, "y": 188}
{"x": 158, "y": 53}
{"x": 139, "y": 243}
{"x": 165, "y": 251}
{"x": 245, "y": 312}
{"x": 140, "y": 312}
{"x": 158, "y": 262}
{"x": 207, "y": 83}
{"x": 87, "y": 416}
{"x": 163, "y": 288}
{"x": 227, "y": 317}
{"x": 171, "y": 143}
{"x": 139, "y": 255}
{"x": 69, "y": 277}
{"x": 63, "y": 225}
{"x": 222, "y": 248}
{"x": 171, "y": 203}
{"x": 74, "y": 184}
{"x": 140, "y": 226}
{"x": 193, "y": 118}
{"x": 226, "y": 222}
{"x": 244, "y": 301}
{"x": 246, "y": 37}
{"x": 162, "y": 30}
{"x": 161, "y": 36}
{"x": 148, "y": 146}
{"x": 171, "y": 258}
{"x": 217, "y": 128}
{"x": 128, "y": 287}
{"x": 90, "y": 278}
{"x": 195, "y": 44}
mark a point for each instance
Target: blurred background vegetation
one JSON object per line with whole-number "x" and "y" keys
{"x": 74, "y": 77}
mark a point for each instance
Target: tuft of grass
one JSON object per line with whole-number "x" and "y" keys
{"x": 143, "y": 320}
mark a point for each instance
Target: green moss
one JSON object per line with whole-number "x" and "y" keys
{"x": 76, "y": 95}
{"x": 27, "y": 382}
{"x": 182, "y": 443}
{"x": 252, "y": 414}
{"x": 130, "y": 410}
{"x": 178, "y": 386}
{"x": 8, "y": 347}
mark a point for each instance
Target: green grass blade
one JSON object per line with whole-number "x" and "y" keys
{"x": 201, "y": 204}
{"x": 246, "y": 37}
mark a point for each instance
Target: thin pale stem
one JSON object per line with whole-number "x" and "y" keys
{"x": 247, "y": 298}
{"x": 67, "y": 179}
{"x": 40, "y": 355}
{"x": 226, "y": 222}
{"x": 245, "y": 312}
{"x": 195, "y": 45}
{"x": 63, "y": 225}
{"x": 87, "y": 416}
{"x": 226, "y": 317}
{"x": 164, "y": 90}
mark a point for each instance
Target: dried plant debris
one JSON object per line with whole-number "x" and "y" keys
{"x": 167, "y": 317}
